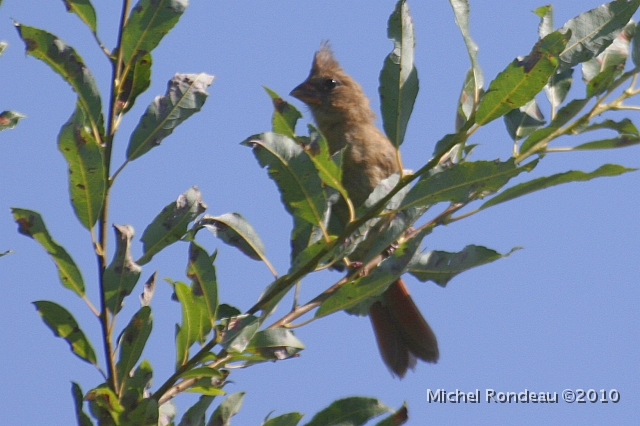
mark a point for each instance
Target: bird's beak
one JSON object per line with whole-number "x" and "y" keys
{"x": 306, "y": 93}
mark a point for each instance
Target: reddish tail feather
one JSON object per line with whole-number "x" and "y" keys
{"x": 401, "y": 331}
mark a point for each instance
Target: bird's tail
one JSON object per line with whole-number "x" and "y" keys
{"x": 401, "y": 331}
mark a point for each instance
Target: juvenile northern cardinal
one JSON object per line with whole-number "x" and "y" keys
{"x": 342, "y": 113}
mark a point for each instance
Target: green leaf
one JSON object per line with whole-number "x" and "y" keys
{"x": 285, "y": 115}
{"x": 136, "y": 81}
{"x": 63, "y": 325}
{"x": 227, "y": 409}
{"x": 202, "y": 272}
{"x": 239, "y": 332}
{"x": 563, "y": 116}
{"x": 593, "y": 31}
{"x": 185, "y": 96}
{"x": 287, "y": 419}
{"x": 136, "y": 385}
{"x": 205, "y": 387}
{"x": 134, "y": 338}
{"x": 64, "y": 60}
{"x": 9, "y": 119}
{"x": 294, "y": 173}
{"x": 81, "y": 417}
{"x": 523, "y": 121}
{"x": 235, "y": 230}
{"x": 399, "y": 76}
{"x": 370, "y": 286}
{"x": 461, "y": 13}
{"x": 557, "y": 179}
{"x": 558, "y": 87}
{"x": 87, "y": 176}
{"x": 620, "y": 141}
{"x": 195, "y": 415}
{"x": 624, "y": 126}
{"x": 149, "y": 22}
{"x": 170, "y": 224}
{"x": 464, "y": 182}
{"x": 30, "y": 223}
{"x": 3, "y": 45}
{"x": 145, "y": 414}
{"x": 200, "y": 372}
{"x": 546, "y": 20}
{"x": 328, "y": 170}
{"x": 353, "y": 411}
{"x": 104, "y": 405}
{"x": 441, "y": 266}
{"x": 275, "y": 343}
{"x": 194, "y": 321}
{"x": 123, "y": 273}
{"x": 85, "y": 12}
{"x": 522, "y": 79}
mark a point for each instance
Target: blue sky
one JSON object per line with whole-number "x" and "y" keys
{"x": 560, "y": 314}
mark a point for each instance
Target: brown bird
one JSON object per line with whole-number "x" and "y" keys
{"x": 343, "y": 115}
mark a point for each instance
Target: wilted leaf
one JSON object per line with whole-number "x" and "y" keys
{"x": 398, "y": 418}
{"x": 547, "y": 181}
{"x": 148, "y": 290}
{"x": 441, "y": 266}
{"x": 354, "y": 411}
{"x": 171, "y": 224}
{"x": 62, "y": 323}
{"x": 522, "y": 79}
{"x": 87, "y": 178}
{"x": 558, "y": 87}
{"x": 9, "y": 119}
{"x": 546, "y": 20}
{"x": 399, "y": 76}
{"x": 186, "y": 93}
{"x": 123, "y": 273}
{"x": 30, "y": 223}
{"x": 594, "y": 30}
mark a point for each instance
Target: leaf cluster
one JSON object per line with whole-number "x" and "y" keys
{"x": 213, "y": 337}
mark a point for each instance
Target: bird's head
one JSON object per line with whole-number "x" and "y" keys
{"x": 331, "y": 94}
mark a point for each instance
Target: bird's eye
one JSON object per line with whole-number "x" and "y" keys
{"x": 329, "y": 83}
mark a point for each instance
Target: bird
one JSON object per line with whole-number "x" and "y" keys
{"x": 344, "y": 117}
